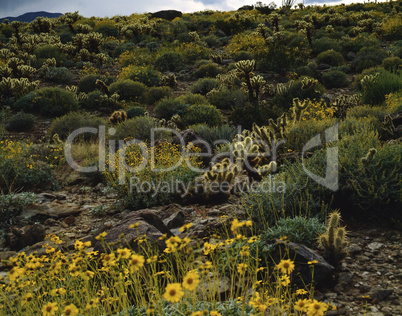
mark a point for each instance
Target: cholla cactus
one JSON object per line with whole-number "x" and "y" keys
{"x": 26, "y": 71}
{"x": 298, "y": 108}
{"x": 70, "y": 18}
{"x": 329, "y": 29}
{"x": 309, "y": 83}
{"x": 369, "y": 80}
{"x": 12, "y": 87}
{"x": 194, "y": 36}
{"x": 220, "y": 179}
{"x": 118, "y": 117}
{"x": 274, "y": 18}
{"x": 41, "y": 25}
{"x": 5, "y": 71}
{"x": 252, "y": 84}
{"x": 168, "y": 80}
{"x": 334, "y": 240}
{"x": 345, "y": 102}
{"x": 6, "y": 54}
{"x": 83, "y": 28}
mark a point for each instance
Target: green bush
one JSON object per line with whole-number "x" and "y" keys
{"x": 248, "y": 114}
{"x": 226, "y": 99}
{"x": 170, "y": 61}
{"x": 211, "y": 40}
{"x": 368, "y": 57}
{"x": 128, "y": 89}
{"x": 48, "y": 101}
{"x": 211, "y": 134}
{"x": 202, "y": 113}
{"x": 324, "y": 44}
{"x": 392, "y": 64}
{"x": 88, "y": 83}
{"x": 205, "y": 85}
{"x": 190, "y": 98}
{"x": 335, "y": 79}
{"x": 374, "y": 91}
{"x": 146, "y": 75}
{"x": 305, "y": 71}
{"x": 135, "y": 111}
{"x": 330, "y": 57}
{"x": 210, "y": 70}
{"x": 58, "y": 75}
{"x": 20, "y": 122}
{"x": 155, "y": 94}
{"x": 64, "y": 125}
{"x": 50, "y": 51}
{"x": 167, "y": 107}
{"x": 92, "y": 101}
{"x": 20, "y": 170}
{"x": 136, "y": 128}
{"x": 298, "y": 229}
{"x": 242, "y": 55}
{"x": 377, "y": 183}
{"x": 11, "y": 205}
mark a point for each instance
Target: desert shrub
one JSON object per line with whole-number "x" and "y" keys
{"x": 167, "y": 107}
{"x": 155, "y": 94}
{"x": 48, "y": 101}
{"x": 211, "y": 40}
{"x": 283, "y": 99}
{"x": 331, "y": 58}
{"x": 202, "y": 113}
{"x": 88, "y": 83}
{"x": 205, "y": 85}
{"x": 334, "y": 79}
{"x": 128, "y": 89}
{"x": 365, "y": 111}
{"x": 193, "y": 51}
{"x": 129, "y": 46}
{"x": 226, "y": 99}
{"x": 353, "y": 125}
{"x": 135, "y": 111}
{"x": 242, "y": 55}
{"x": 301, "y": 132}
{"x": 298, "y": 229}
{"x": 376, "y": 184}
{"x": 368, "y": 57}
{"x": 392, "y": 64}
{"x": 64, "y": 125}
{"x": 324, "y": 44}
{"x": 50, "y": 51}
{"x": 392, "y": 28}
{"x": 20, "y": 170}
{"x": 106, "y": 28}
{"x": 58, "y": 75}
{"x": 136, "y": 57}
{"x": 190, "y": 98}
{"x": 247, "y": 114}
{"x": 393, "y": 102}
{"x": 166, "y": 155}
{"x": 136, "y": 128}
{"x": 212, "y": 134}
{"x": 375, "y": 90}
{"x": 11, "y": 205}
{"x": 305, "y": 71}
{"x": 20, "y": 122}
{"x": 170, "y": 61}
{"x": 144, "y": 74}
{"x": 92, "y": 101}
{"x": 208, "y": 70}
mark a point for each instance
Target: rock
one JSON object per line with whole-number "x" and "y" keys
{"x": 375, "y": 246}
{"x": 323, "y": 271}
{"x": 220, "y": 33}
{"x": 345, "y": 278}
{"x": 220, "y": 285}
{"x": 167, "y": 14}
{"x": 55, "y": 209}
{"x": 149, "y": 224}
{"x": 381, "y": 294}
{"x": 175, "y": 220}
{"x": 4, "y": 255}
{"x": 51, "y": 222}
{"x": 353, "y": 249}
{"x": 69, "y": 220}
{"x": 27, "y": 236}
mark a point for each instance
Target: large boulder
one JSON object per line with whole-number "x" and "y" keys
{"x": 121, "y": 235}
{"x": 167, "y": 14}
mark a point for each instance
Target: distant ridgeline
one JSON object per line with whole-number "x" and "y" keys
{"x": 30, "y": 16}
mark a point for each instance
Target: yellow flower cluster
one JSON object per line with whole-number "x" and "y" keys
{"x": 317, "y": 111}
{"x": 246, "y": 42}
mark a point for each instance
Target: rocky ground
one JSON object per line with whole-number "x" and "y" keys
{"x": 370, "y": 276}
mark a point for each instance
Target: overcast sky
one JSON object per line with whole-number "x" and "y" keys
{"x": 103, "y": 8}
